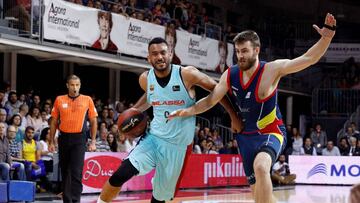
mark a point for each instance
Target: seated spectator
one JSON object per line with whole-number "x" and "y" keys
{"x": 281, "y": 172}
{"x": 234, "y": 148}
{"x": 16, "y": 122}
{"x": 297, "y": 142}
{"x": 31, "y": 153}
{"x": 308, "y": 148}
{"x": 211, "y": 147}
{"x": 24, "y": 110}
{"x": 34, "y": 120}
{"x": 330, "y": 150}
{"x": 112, "y": 142}
{"x": 344, "y": 147}
{"x": 196, "y": 149}
{"x": 12, "y": 105}
{"x": 217, "y": 138}
{"x": 319, "y": 138}
{"x": 34, "y": 166}
{"x": 353, "y": 149}
{"x": 16, "y": 154}
{"x": 3, "y": 116}
{"x": 102, "y": 144}
{"x": 5, "y": 158}
{"x": 45, "y": 155}
{"x": 121, "y": 146}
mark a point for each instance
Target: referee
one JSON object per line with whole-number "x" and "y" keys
{"x": 69, "y": 114}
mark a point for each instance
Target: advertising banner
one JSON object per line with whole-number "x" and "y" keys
{"x": 339, "y": 52}
{"x": 343, "y": 170}
{"x": 200, "y": 171}
{"x": 75, "y": 24}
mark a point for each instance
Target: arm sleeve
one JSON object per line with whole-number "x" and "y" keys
{"x": 92, "y": 110}
{"x": 55, "y": 109}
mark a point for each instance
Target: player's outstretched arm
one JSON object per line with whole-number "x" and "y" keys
{"x": 209, "y": 101}
{"x": 313, "y": 55}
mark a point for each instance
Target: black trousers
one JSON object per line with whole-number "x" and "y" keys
{"x": 72, "y": 149}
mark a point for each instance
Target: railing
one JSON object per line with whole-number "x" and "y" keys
{"x": 355, "y": 117}
{"x": 225, "y": 133}
{"x": 204, "y": 122}
{"x": 337, "y": 102}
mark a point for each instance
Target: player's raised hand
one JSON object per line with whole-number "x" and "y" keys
{"x": 179, "y": 113}
{"x": 328, "y": 30}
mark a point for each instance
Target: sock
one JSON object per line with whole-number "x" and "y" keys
{"x": 100, "y": 201}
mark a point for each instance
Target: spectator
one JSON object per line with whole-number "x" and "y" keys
{"x": 3, "y": 117}
{"x": 2, "y": 98}
{"x": 5, "y": 158}
{"x": 121, "y": 146}
{"x": 16, "y": 122}
{"x": 234, "y": 148}
{"x": 319, "y": 138}
{"x": 344, "y": 147}
{"x": 34, "y": 120}
{"x": 308, "y": 148}
{"x": 44, "y": 120}
{"x": 36, "y": 101}
{"x": 105, "y": 117}
{"x": 45, "y": 155}
{"x": 30, "y": 151}
{"x": 47, "y": 109}
{"x": 330, "y": 150}
{"x": 102, "y": 144}
{"x": 281, "y": 172}
{"x": 353, "y": 149}
{"x": 16, "y": 153}
{"x": 12, "y": 105}
{"x": 24, "y": 110}
{"x": 21, "y": 11}
{"x": 112, "y": 142}
{"x": 297, "y": 142}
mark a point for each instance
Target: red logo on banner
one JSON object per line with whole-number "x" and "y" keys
{"x": 98, "y": 169}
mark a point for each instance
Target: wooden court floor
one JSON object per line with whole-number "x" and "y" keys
{"x": 289, "y": 194}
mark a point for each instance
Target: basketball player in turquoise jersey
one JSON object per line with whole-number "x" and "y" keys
{"x": 167, "y": 87}
{"x": 253, "y": 86}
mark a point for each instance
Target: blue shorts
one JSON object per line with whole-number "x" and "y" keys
{"x": 167, "y": 159}
{"x": 251, "y": 144}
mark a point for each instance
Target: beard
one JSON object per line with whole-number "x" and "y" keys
{"x": 250, "y": 62}
{"x": 160, "y": 67}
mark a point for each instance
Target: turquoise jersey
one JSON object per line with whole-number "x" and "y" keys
{"x": 165, "y": 100}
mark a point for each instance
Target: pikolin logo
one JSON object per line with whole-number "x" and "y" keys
{"x": 220, "y": 169}
{"x": 319, "y": 168}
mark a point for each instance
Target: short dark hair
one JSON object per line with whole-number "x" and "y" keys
{"x": 157, "y": 40}
{"x": 29, "y": 128}
{"x": 247, "y": 35}
{"x": 107, "y": 15}
{"x": 72, "y": 77}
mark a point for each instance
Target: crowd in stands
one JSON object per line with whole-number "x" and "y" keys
{"x": 207, "y": 141}
{"x": 317, "y": 143}
{"x": 24, "y": 136}
{"x": 184, "y": 14}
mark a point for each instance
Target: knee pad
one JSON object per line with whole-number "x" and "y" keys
{"x": 153, "y": 200}
{"x": 123, "y": 174}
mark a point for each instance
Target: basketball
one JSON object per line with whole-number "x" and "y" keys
{"x": 132, "y": 122}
